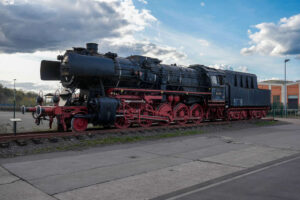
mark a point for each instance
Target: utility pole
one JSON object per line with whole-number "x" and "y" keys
{"x": 285, "y": 88}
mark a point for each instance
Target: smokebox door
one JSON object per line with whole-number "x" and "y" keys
{"x": 50, "y": 70}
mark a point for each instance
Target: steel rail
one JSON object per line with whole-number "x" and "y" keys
{"x": 51, "y": 134}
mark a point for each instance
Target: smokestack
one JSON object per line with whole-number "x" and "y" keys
{"x": 92, "y": 47}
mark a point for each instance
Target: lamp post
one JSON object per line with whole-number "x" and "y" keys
{"x": 15, "y": 123}
{"x": 285, "y": 88}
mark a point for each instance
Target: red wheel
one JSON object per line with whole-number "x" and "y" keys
{"x": 147, "y": 110}
{"x": 196, "y": 113}
{"x": 243, "y": 114}
{"x": 234, "y": 115}
{"x": 237, "y": 115}
{"x": 253, "y": 114}
{"x": 264, "y": 113}
{"x": 181, "y": 113}
{"x": 220, "y": 113}
{"x": 122, "y": 122}
{"x": 258, "y": 114}
{"x": 231, "y": 115}
{"x": 79, "y": 124}
{"x": 165, "y": 110}
{"x": 125, "y": 112}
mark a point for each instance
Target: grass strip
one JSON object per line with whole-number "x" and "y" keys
{"x": 117, "y": 140}
{"x": 266, "y": 123}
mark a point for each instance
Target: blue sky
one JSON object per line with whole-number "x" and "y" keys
{"x": 253, "y": 36}
{"x": 225, "y": 24}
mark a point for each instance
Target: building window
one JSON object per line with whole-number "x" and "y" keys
{"x": 276, "y": 99}
{"x": 292, "y": 102}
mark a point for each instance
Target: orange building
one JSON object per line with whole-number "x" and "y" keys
{"x": 278, "y": 92}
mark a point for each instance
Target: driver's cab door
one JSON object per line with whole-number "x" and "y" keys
{"x": 217, "y": 87}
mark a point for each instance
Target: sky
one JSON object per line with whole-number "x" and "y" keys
{"x": 249, "y": 36}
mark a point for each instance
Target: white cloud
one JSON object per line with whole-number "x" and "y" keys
{"x": 28, "y": 26}
{"x": 278, "y": 39}
{"x": 261, "y": 79}
{"x": 7, "y": 2}
{"x": 25, "y": 67}
{"x": 242, "y": 68}
{"x": 32, "y": 86}
{"x": 221, "y": 66}
{"x": 45, "y": 25}
{"x": 31, "y": 31}
{"x": 229, "y": 67}
{"x": 130, "y": 46}
{"x": 202, "y": 4}
{"x": 203, "y": 42}
{"x": 143, "y": 1}
{"x": 275, "y": 78}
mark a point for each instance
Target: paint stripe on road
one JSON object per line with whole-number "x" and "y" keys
{"x": 227, "y": 178}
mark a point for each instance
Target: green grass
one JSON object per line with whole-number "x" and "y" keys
{"x": 116, "y": 140}
{"x": 265, "y": 123}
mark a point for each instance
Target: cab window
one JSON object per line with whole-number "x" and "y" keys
{"x": 214, "y": 80}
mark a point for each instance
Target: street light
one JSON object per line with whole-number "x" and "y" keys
{"x": 15, "y": 123}
{"x": 285, "y": 88}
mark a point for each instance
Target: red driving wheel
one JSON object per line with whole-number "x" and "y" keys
{"x": 196, "y": 113}
{"x": 79, "y": 124}
{"x": 181, "y": 113}
{"x": 122, "y": 121}
{"x": 165, "y": 110}
{"x": 147, "y": 110}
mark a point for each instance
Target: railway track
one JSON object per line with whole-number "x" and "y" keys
{"x": 21, "y": 137}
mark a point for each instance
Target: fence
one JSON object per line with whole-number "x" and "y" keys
{"x": 6, "y": 107}
{"x": 9, "y": 107}
{"x": 277, "y": 110}
{"x": 291, "y": 113}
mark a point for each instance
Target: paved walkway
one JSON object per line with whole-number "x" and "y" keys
{"x": 144, "y": 170}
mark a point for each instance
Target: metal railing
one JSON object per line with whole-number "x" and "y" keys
{"x": 291, "y": 113}
{"x": 277, "y": 110}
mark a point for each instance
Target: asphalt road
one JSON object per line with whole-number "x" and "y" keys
{"x": 27, "y": 123}
{"x": 279, "y": 180}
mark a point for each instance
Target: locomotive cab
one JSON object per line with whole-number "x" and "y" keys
{"x": 217, "y": 83}
{"x": 217, "y": 87}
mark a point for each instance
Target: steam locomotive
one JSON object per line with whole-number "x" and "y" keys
{"x": 104, "y": 89}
